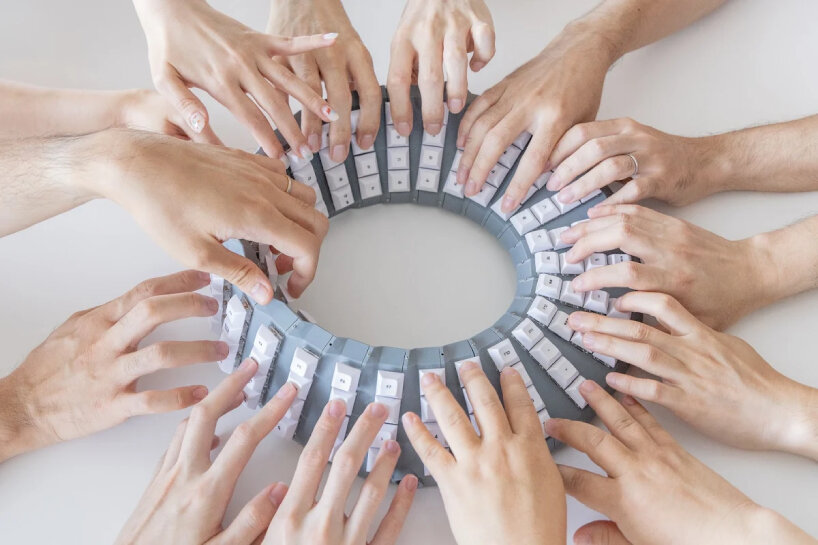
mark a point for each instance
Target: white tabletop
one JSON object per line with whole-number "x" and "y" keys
{"x": 408, "y": 276}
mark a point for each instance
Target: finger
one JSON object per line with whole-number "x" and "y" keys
{"x": 644, "y": 356}
{"x": 600, "y": 532}
{"x": 314, "y": 457}
{"x": 398, "y": 82}
{"x": 430, "y": 84}
{"x": 162, "y": 401}
{"x": 612, "y": 169}
{"x": 483, "y": 38}
{"x": 236, "y": 269}
{"x": 477, "y": 108}
{"x": 624, "y": 235}
{"x": 369, "y": 99}
{"x": 391, "y": 525}
{"x": 587, "y": 322}
{"x": 300, "y": 212}
{"x": 628, "y": 274}
{"x": 618, "y": 421}
{"x": 592, "y": 490}
{"x": 372, "y": 492}
{"x": 488, "y": 411}
{"x": 634, "y": 211}
{"x": 454, "y": 423}
{"x": 533, "y": 163}
{"x": 336, "y": 79}
{"x": 646, "y": 389}
{"x": 169, "y": 355}
{"x": 484, "y": 146}
{"x": 578, "y": 135}
{"x": 646, "y": 420}
{"x": 590, "y": 154}
{"x": 254, "y": 518}
{"x": 172, "y": 454}
{"x": 455, "y": 61}
{"x": 306, "y": 69}
{"x": 287, "y": 45}
{"x": 180, "y": 282}
{"x": 519, "y": 408}
{"x": 603, "y": 223}
{"x": 251, "y": 117}
{"x": 148, "y": 314}
{"x": 284, "y": 80}
{"x": 170, "y": 84}
{"x": 602, "y": 448}
{"x": 667, "y": 310}
{"x": 274, "y": 102}
{"x": 351, "y": 455}
{"x": 433, "y": 455}
{"x": 633, "y": 192}
{"x": 246, "y": 437}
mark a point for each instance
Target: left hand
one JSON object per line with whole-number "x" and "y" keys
{"x": 677, "y": 258}
{"x": 145, "y": 110}
{"x": 433, "y": 36}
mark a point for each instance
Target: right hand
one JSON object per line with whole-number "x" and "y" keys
{"x": 501, "y": 486}
{"x": 191, "y": 197}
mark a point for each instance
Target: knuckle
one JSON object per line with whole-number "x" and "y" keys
{"x": 345, "y": 461}
{"x": 245, "y": 433}
{"x": 255, "y": 519}
{"x": 201, "y": 413}
{"x": 147, "y": 310}
{"x": 631, "y": 272}
{"x": 641, "y": 332}
{"x": 313, "y": 459}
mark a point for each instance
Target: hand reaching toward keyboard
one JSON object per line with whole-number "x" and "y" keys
{"x": 82, "y": 378}
{"x": 301, "y": 520}
{"x": 145, "y": 110}
{"x": 191, "y": 44}
{"x": 347, "y": 64}
{"x": 713, "y": 381}
{"x": 501, "y": 486}
{"x": 655, "y": 491}
{"x": 678, "y": 258}
{"x": 434, "y": 36}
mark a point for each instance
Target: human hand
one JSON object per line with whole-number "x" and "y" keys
{"x": 713, "y": 381}
{"x": 345, "y": 65}
{"x": 82, "y": 378}
{"x": 670, "y": 168}
{"x": 226, "y": 193}
{"x": 655, "y": 491}
{"x": 433, "y": 36}
{"x": 301, "y": 520}
{"x": 190, "y": 44}
{"x": 678, "y": 258}
{"x": 546, "y": 96}
{"x": 187, "y": 498}
{"x": 145, "y": 110}
{"x": 501, "y": 486}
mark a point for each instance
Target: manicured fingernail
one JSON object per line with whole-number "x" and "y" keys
{"x": 391, "y": 446}
{"x": 248, "y": 364}
{"x": 588, "y": 339}
{"x": 199, "y": 393}
{"x": 577, "y": 320}
{"x": 508, "y": 371}
{"x": 329, "y": 36}
{"x": 259, "y": 293}
{"x": 315, "y": 142}
{"x": 378, "y": 410}
{"x": 433, "y": 128}
{"x": 471, "y": 188}
{"x": 196, "y": 122}
{"x": 337, "y": 153}
{"x": 509, "y": 203}
{"x": 203, "y": 276}
{"x": 409, "y": 482}
{"x": 477, "y": 66}
{"x": 277, "y": 493}
{"x": 429, "y": 379}
{"x": 337, "y": 408}
{"x": 211, "y": 304}
{"x": 553, "y": 183}
{"x": 366, "y": 141}
{"x": 628, "y": 400}
{"x": 222, "y": 349}
{"x": 330, "y": 114}
{"x": 566, "y": 196}
{"x": 468, "y": 366}
{"x": 455, "y": 105}
{"x": 286, "y": 391}
{"x": 613, "y": 380}
{"x": 305, "y": 152}
{"x": 588, "y": 386}
{"x": 403, "y": 128}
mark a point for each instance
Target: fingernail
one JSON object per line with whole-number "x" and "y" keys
{"x": 471, "y": 188}
{"x": 222, "y": 349}
{"x": 409, "y": 482}
{"x": 403, "y": 128}
{"x": 455, "y": 105}
{"x": 588, "y": 386}
{"x": 259, "y": 293}
{"x": 330, "y": 114}
{"x": 329, "y": 36}
{"x": 477, "y": 66}
{"x": 391, "y": 446}
{"x": 199, "y": 393}
{"x": 613, "y": 380}
{"x": 337, "y": 153}
{"x": 628, "y": 400}
{"x": 337, "y": 408}
{"x": 284, "y": 159}
{"x": 578, "y": 283}
{"x": 378, "y": 410}
{"x": 550, "y": 426}
{"x": 566, "y": 196}
{"x": 468, "y": 366}
{"x": 508, "y": 371}
{"x": 315, "y": 142}
{"x": 248, "y": 364}
{"x": 305, "y": 152}
{"x": 582, "y": 539}
{"x": 366, "y": 141}
{"x": 433, "y": 128}
{"x": 408, "y": 420}
{"x": 196, "y": 122}
{"x": 203, "y": 276}
{"x": 211, "y": 304}
{"x": 553, "y": 182}
{"x": 277, "y": 493}
{"x": 429, "y": 379}
{"x": 509, "y": 203}
{"x": 577, "y": 320}
{"x": 462, "y": 174}
{"x": 588, "y": 339}
{"x": 286, "y": 391}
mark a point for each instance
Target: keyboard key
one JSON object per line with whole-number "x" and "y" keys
{"x": 545, "y": 211}
{"x": 590, "y": 196}
{"x": 306, "y": 175}
{"x": 547, "y": 262}
{"x": 394, "y": 139}
{"x": 570, "y": 268}
{"x": 345, "y": 377}
{"x": 538, "y": 241}
{"x": 440, "y": 372}
{"x": 542, "y": 310}
{"x": 563, "y": 207}
{"x": 426, "y": 414}
{"x": 556, "y": 240}
{"x": 559, "y": 325}
{"x": 389, "y": 384}
{"x": 524, "y": 221}
{"x": 549, "y": 286}
{"x": 398, "y": 181}
{"x": 342, "y": 198}
{"x": 397, "y": 158}
{"x": 366, "y": 165}
{"x": 370, "y": 186}
{"x": 573, "y": 392}
{"x": 497, "y": 175}
{"x": 371, "y": 457}
{"x": 354, "y": 117}
{"x": 529, "y": 194}
{"x": 545, "y": 353}
{"x": 610, "y": 361}
{"x": 503, "y": 354}
{"x": 386, "y": 433}
{"x": 613, "y": 313}
{"x": 563, "y": 372}
{"x": 326, "y": 161}
{"x": 295, "y": 409}
{"x": 543, "y": 416}
{"x": 286, "y": 427}
{"x": 542, "y": 179}
{"x": 235, "y": 313}
{"x": 325, "y": 136}
{"x": 595, "y": 260}
{"x": 342, "y": 432}
{"x": 337, "y": 177}
{"x": 434, "y": 140}
{"x": 469, "y": 407}
{"x": 527, "y": 333}
{"x": 304, "y": 363}
{"x": 437, "y": 433}
{"x": 428, "y": 180}
{"x": 302, "y": 383}
{"x": 388, "y": 114}
{"x": 497, "y": 208}
{"x": 431, "y": 157}
{"x": 456, "y": 161}
{"x": 522, "y": 140}
{"x": 614, "y": 259}
{"x": 485, "y": 195}
{"x": 520, "y": 368}
{"x": 509, "y": 156}
{"x": 459, "y": 364}
{"x": 596, "y": 301}
{"x": 347, "y": 397}
{"x": 535, "y": 398}
{"x": 266, "y": 342}
{"x": 392, "y": 405}
{"x": 473, "y": 421}
{"x": 358, "y": 150}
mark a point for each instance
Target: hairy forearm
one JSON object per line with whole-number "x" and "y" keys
{"x": 17, "y": 432}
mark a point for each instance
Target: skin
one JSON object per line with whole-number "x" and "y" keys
{"x": 654, "y": 488}
{"x": 678, "y": 170}
{"x": 190, "y": 44}
{"x": 507, "y": 464}
{"x": 433, "y": 36}
{"x": 82, "y": 379}
{"x": 149, "y": 175}
{"x": 702, "y": 372}
{"x": 344, "y": 66}
{"x": 681, "y": 259}
{"x": 559, "y": 88}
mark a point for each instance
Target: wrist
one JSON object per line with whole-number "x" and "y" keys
{"x": 770, "y": 259}
{"x": 596, "y": 44}
{"x": 18, "y": 430}
{"x": 712, "y": 165}
{"x": 799, "y": 423}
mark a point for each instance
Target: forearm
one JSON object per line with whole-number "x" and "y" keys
{"x": 17, "y": 434}
{"x": 762, "y": 525}
{"x": 29, "y": 111}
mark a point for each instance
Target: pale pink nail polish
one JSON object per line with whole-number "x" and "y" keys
{"x": 329, "y": 36}
{"x": 366, "y": 141}
{"x": 337, "y": 153}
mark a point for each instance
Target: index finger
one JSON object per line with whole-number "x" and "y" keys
{"x": 398, "y": 82}
{"x": 454, "y": 423}
{"x": 533, "y": 163}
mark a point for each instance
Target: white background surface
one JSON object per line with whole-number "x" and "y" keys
{"x": 751, "y": 62}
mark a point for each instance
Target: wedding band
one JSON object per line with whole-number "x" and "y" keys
{"x": 635, "y": 165}
{"x": 290, "y": 184}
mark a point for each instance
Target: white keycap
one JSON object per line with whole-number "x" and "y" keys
{"x": 563, "y": 207}
{"x": 528, "y": 194}
{"x": 456, "y": 161}
{"x": 610, "y": 361}
{"x": 576, "y": 339}
{"x": 485, "y": 195}
{"x": 549, "y": 286}
{"x": 235, "y": 313}
{"x": 570, "y": 268}
{"x": 358, "y": 150}
{"x": 473, "y": 421}
{"x": 522, "y": 140}
{"x": 509, "y": 156}
{"x": 555, "y": 236}
{"x": 497, "y": 208}
{"x": 296, "y": 162}
{"x": 503, "y": 354}
{"x": 596, "y": 301}
{"x": 347, "y": 397}
{"x": 434, "y": 140}
{"x": 228, "y": 363}
{"x": 306, "y": 175}
{"x": 520, "y": 368}
{"x": 325, "y": 136}
{"x": 251, "y": 399}
{"x": 388, "y": 114}
{"x": 392, "y": 405}
{"x": 545, "y": 211}
{"x": 389, "y": 384}
{"x": 542, "y": 310}
{"x": 431, "y": 157}
{"x": 524, "y": 221}
{"x": 614, "y": 259}
{"x": 326, "y": 161}
{"x": 527, "y": 333}
{"x": 272, "y": 270}
{"x": 302, "y": 383}
{"x": 613, "y": 313}
{"x": 371, "y": 456}
{"x": 266, "y": 342}
{"x": 342, "y": 198}
{"x": 459, "y": 364}
{"x": 286, "y": 427}
{"x": 547, "y": 262}
{"x": 452, "y": 187}
{"x": 563, "y": 372}
{"x": 345, "y": 377}
{"x": 426, "y": 414}
{"x": 397, "y": 158}
{"x": 544, "y": 417}
{"x": 342, "y": 432}
{"x": 437, "y": 433}
{"x": 366, "y": 165}
{"x": 394, "y": 139}
{"x": 445, "y": 114}
{"x": 469, "y": 407}
{"x": 440, "y": 372}
{"x": 535, "y": 398}
{"x": 370, "y": 186}
{"x": 573, "y": 392}
{"x": 321, "y": 206}
{"x": 428, "y": 180}
{"x": 559, "y": 325}
{"x": 545, "y": 353}
{"x": 590, "y": 196}
{"x": 497, "y": 175}
{"x": 538, "y": 241}
{"x": 386, "y": 433}
{"x": 595, "y": 260}
{"x": 398, "y": 181}
{"x": 542, "y": 179}
{"x": 337, "y": 177}
{"x": 304, "y": 363}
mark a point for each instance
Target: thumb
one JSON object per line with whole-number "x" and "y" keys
{"x": 482, "y": 35}
{"x": 238, "y": 270}
{"x": 171, "y": 86}
{"x": 600, "y": 532}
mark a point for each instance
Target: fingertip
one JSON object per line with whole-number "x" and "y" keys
{"x": 277, "y": 493}
{"x": 409, "y": 482}
{"x": 262, "y": 291}
{"x": 198, "y": 393}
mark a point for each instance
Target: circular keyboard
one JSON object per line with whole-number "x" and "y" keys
{"x": 532, "y": 336}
